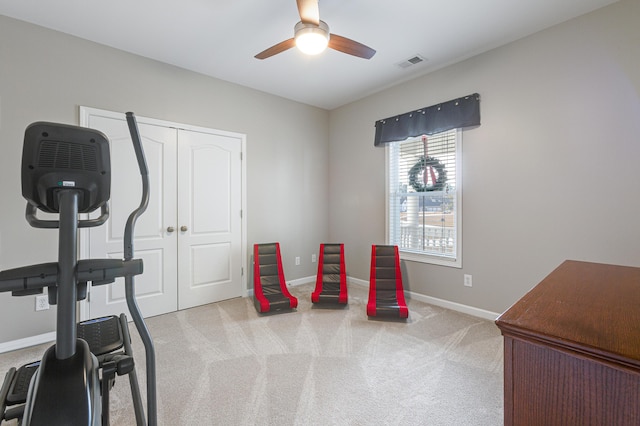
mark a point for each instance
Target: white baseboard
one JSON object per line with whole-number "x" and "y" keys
{"x": 300, "y": 281}
{"x": 27, "y": 341}
{"x": 459, "y": 307}
{"x": 465, "y": 309}
{"x": 358, "y": 281}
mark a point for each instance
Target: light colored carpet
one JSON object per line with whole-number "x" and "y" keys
{"x": 225, "y": 364}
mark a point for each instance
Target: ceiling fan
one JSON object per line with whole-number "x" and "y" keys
{"x": 315, "y": 32}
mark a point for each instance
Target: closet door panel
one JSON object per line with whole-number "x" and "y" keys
{"x": 209, "y": 244}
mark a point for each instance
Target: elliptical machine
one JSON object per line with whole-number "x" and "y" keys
{"x": 67, "y": 170}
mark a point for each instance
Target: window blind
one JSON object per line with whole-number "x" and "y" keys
{"x": 422, "y": 194}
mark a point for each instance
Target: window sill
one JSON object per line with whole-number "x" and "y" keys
{"x": 433, "y": 260}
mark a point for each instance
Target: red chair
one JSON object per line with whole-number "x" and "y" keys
{"x": 331, "y": 280}
{"x": 269, "y": 287}
{"x": 386, "y": 294}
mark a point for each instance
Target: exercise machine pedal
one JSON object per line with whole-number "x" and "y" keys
{"x": 104, "y": 335}
{"x": 109, "y": 340}
{"x": 20, "y": 384}
{"x": 14, "y": 390}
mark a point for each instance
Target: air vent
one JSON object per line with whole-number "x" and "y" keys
{"x": 415, "y": 60}
{"x": 64, "y": 155}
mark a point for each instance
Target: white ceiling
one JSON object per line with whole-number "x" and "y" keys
{"x": 220, "y": 37}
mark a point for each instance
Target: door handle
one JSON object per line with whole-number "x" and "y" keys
{"x": 183, "y": 228}
{"x": 170, "y": 229}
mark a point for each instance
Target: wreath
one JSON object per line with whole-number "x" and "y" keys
{"x": 420, "y": 168}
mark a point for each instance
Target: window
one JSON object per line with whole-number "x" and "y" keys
{"x": 424, "y": 207}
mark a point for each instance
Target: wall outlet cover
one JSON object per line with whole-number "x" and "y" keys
{"x": 468, "y": 280}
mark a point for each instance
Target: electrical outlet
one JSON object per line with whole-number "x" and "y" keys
{"x": 42, "y": 303}
{"x": 468, "y": 282}
{"x": 297, "y": 260}
{"x": 313, "y": 258}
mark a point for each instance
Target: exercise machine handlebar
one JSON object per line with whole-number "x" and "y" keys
{"x": 129, "y": 282}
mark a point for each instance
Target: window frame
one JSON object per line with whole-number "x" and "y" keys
{"x": 428, "y": 257}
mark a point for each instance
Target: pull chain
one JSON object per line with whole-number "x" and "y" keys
{"x": 425, "y": 177}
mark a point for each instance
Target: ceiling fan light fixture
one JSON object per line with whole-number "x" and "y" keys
{"x": 310, "y": 38}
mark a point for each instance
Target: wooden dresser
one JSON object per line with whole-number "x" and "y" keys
{"x": 572, "y": 349}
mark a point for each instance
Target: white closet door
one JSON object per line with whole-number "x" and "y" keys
{"x": 209, "y": 218}
{"x": 156, "y": 288}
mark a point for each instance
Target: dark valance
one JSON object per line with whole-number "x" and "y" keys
{"x": 454, "y": 114}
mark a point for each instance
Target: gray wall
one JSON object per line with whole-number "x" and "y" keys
{"x": 551, "y": 174}
{"x": 45, "y": 75}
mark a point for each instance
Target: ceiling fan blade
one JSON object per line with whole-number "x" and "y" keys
{"x": 350, "y": 47}
{"x": 309, "y": 12}
{"x": 275, "y": 49}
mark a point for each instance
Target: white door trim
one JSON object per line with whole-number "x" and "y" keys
{"x": 83, "y": 245}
